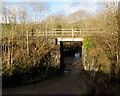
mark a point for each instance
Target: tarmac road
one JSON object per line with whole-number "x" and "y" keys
{"x": 73, "y": 81}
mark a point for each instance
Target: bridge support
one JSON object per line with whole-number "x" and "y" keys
{"x": 61, "y": 57}
{"x": 59, "y": 41}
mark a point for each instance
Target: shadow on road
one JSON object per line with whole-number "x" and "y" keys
{"x": 72, "y": 81}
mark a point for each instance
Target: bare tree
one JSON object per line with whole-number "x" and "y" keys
{"x": 23, "y": 17}
{"x": 38, "y": 8}
{"x": 5, "y": 15}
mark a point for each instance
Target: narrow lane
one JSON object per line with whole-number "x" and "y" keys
{"x": 73, "y": 81}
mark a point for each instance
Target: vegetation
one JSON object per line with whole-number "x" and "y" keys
{"x": 100, "y": 51}
{"x": 25, "y": 67}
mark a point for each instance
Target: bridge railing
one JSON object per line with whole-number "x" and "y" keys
{"x": 65, "y": 33}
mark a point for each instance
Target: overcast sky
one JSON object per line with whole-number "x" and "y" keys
{"x": 64, "y": 7}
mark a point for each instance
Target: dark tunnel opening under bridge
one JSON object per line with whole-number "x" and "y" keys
{"x": 71, "y": 56}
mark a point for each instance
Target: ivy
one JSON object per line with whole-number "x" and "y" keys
{"x": 87, "y": 44}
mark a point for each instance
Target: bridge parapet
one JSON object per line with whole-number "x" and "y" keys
{"x": 65, "y": 33}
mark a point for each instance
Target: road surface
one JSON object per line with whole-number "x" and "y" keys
{"x": 73, "y": 81}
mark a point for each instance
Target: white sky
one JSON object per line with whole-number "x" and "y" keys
{"x": 62, "y": 6}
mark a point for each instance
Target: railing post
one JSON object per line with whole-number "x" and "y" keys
{"x": 46, "y": 33}
{"x": 80, "y": 31}
{"x": 72, "y": 33}
{"x": 55, "y": 33}
{"x": 62, "y": 33}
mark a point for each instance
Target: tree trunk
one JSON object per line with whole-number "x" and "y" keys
{"x": 8, "y": 59}
{"x": 27, "y": 43}
{"x": 11, "y": 59}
